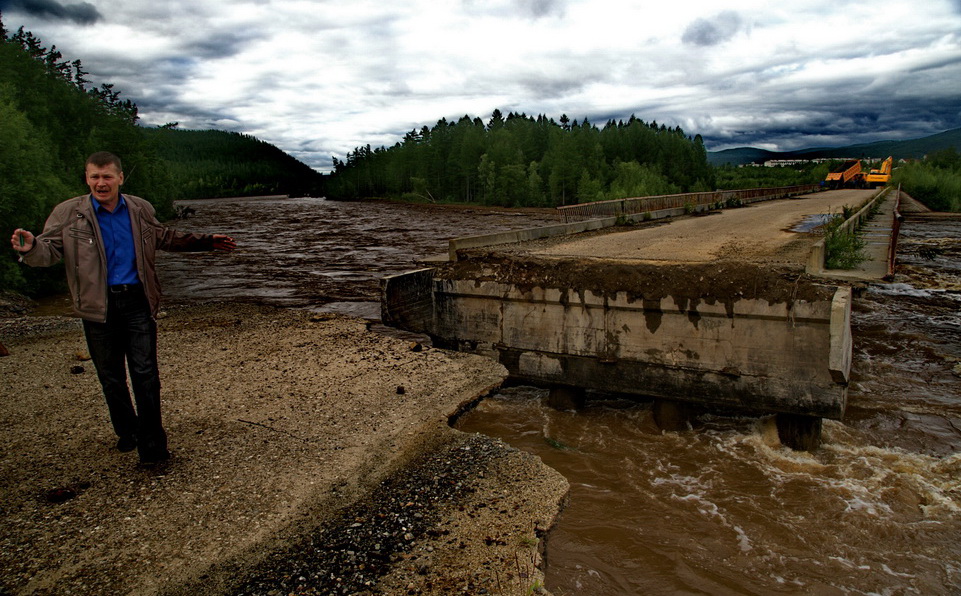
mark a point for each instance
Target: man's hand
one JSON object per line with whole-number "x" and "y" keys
{"x": 22, "y": 240}
{"x": 224, "y": 242}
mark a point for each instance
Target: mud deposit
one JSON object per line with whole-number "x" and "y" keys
{"x": 688, "y": 284}
{"x": 408, "y": 536}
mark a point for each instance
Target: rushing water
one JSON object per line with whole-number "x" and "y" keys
{"x": 719, "y": 509}
{"x": 310, "y": 252}
{"x": 725, "y": 509}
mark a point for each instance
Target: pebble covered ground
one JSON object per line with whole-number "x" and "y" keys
{"x": 408, "y": 536}
{"x": 304, "y": 446}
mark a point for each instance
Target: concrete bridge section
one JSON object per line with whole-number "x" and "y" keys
{"x": 710, "y": 312}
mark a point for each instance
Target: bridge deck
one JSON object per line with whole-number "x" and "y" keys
{"x": 759, "y": 233}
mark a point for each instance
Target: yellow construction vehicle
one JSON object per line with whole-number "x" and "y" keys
{"x": 847, "y": 174}
{"x": 876, "y": 178}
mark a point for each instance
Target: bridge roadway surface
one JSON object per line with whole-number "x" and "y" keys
{"x": 760, "y": 233}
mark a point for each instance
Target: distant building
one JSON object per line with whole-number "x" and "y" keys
{"x": 778, "y": 163}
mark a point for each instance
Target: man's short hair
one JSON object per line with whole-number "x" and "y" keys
{"x": 102, "y": 159}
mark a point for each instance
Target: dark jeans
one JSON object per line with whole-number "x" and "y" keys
{"x": 130, "y": 336}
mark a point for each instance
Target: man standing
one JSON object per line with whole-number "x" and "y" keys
{"x": 108, "y": 242}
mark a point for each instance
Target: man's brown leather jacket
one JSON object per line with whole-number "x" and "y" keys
{"x": 72, "y": 233}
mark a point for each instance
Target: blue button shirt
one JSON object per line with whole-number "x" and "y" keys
{"x": 118, "y": 243}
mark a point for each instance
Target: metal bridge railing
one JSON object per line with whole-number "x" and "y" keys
{"x": 895, "y": 232}
{"x": 635, "y": 205}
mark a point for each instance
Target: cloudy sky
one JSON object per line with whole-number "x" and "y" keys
{"x": 318, "y": 78}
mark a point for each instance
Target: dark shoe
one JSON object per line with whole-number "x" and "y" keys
{"x": 126, "y": 444}
{"x": 153, "y": 458}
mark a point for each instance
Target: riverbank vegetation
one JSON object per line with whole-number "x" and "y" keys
{"x": 526, "y": 161}
{"x": 935, "y": 181}
{"x": 730, "y": 177}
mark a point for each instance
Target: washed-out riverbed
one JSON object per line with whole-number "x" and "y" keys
{"x": 719, "y": 509}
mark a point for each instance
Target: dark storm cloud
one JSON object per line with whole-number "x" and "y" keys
{"x": 188, "y": 115}
{"x": 710, "y": 32}
{"x": 936, "y": 63}
{"x": 222, "y": 45}
{"x": 82, "y": 13}
{"x": 541, "y": 86}
{"x": 158, "y": 87}
{"x": 743, "y": 73}
{"x": 542, "y": 8}
{"x": 842, "y": 123}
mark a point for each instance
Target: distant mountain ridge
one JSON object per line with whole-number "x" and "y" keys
{"x": 914, "y": 148}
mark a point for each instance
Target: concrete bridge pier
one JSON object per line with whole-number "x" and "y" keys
{"x": 799, "y": 432}
{"x": 691, "y": 336}
{"x": 566, "y": 397}
{"x": 796, "y": 431}
{"x": 672, "y": 416}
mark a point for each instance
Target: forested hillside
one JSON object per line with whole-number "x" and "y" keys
{"x": 730, "y": 177}
{"x": 205, "y": 164}
{"x": 526, "y": 161}
{"x": 910, "y": 149}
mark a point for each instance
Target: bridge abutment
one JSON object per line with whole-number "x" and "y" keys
{"x": 731, "y": 337}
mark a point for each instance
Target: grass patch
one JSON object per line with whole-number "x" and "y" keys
{"x": 842, "y": 249}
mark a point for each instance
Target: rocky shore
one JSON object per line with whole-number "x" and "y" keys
{"x": 310, "y": 456}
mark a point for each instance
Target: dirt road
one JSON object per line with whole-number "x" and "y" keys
{"x": 758, "y": 233}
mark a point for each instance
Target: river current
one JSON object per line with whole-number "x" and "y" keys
{"x": 721, "y": 508}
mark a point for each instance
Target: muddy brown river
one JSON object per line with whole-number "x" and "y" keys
{"x": 719, "y": 509}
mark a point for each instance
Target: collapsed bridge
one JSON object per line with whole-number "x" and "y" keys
{"x": 697, "y": 308}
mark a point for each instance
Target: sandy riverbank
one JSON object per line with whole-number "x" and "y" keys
{"x": 310, "y": 456}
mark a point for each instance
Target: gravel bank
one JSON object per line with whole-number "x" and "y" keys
{"x": 310, "y": 456}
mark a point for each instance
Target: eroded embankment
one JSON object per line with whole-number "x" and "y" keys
{"x": 297, "y": 441}
{"x": 451, "y": 520}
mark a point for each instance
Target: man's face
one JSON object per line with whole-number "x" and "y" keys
{"x": 104, "y": 183}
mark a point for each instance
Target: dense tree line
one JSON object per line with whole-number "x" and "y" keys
{"x": 730, "y": 177}
{"x": 935, "y": 181}
{"x": 526, "y": 161}
{"x": 212, "y": 163}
